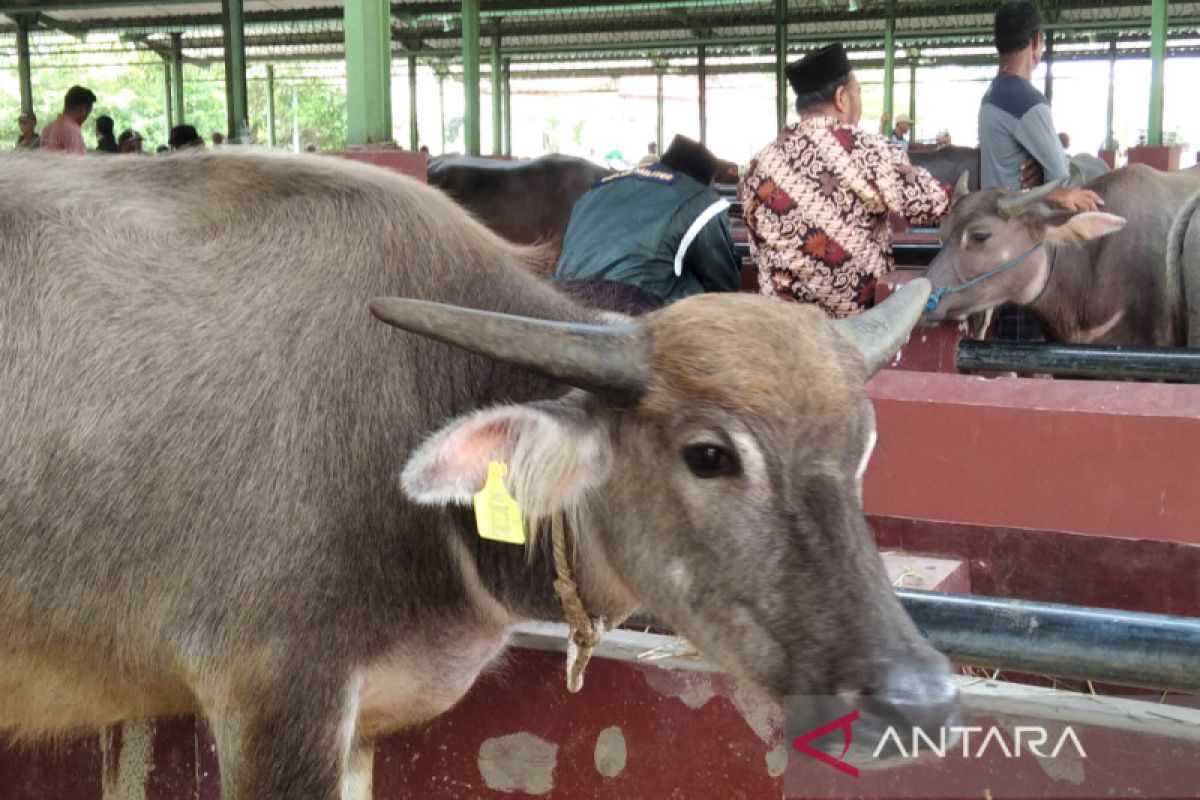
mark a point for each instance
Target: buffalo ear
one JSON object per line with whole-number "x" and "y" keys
{"x": 554, "y": 450}
{"x": 1070, "y": 228}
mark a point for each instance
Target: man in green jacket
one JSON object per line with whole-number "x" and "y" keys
{"x": 661, "y": 229}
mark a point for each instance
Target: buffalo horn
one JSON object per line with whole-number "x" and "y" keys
{"x": 879, "y": 332}
{"x": 962, "y": 188}
{"x": 1013, "y": 204}
{"x": 609, "y": 359}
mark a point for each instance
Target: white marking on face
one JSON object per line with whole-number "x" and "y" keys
{"x": 866, "y": 456}
{"x": 754, "y": 465}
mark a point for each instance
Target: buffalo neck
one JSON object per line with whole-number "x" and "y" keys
{"x": 1062, "y": 304}
{"x": 521, "y": 579}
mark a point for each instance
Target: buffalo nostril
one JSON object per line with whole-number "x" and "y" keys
{"x": 921, "y": 698}
{"x": 917, "y": 702}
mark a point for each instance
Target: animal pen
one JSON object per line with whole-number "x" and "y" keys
{"x": 1043, "y": 533}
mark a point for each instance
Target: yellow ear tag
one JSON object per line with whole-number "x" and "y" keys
{"x": 497, "y": 514}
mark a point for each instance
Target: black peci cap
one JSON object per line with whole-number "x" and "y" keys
{"x": 819, "y": 68}
{"x": 691, "y": 158}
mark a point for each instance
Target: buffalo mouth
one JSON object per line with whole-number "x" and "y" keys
{"x": 865, "y": 732}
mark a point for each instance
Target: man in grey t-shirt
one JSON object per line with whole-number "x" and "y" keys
{"x": 1015, "y": 124}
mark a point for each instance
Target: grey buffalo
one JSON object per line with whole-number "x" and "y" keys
{"x": 226, "y": 488}
{"x": 949, "y": 163}
{"x": 1092, "y": 278}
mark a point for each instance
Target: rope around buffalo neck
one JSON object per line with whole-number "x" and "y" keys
{"x": 938, "y": 294}
{"x": 586, "y": 631}
{"x": 1049, "y": 277}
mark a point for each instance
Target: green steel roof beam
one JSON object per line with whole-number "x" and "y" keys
{"x": 531, "y": 8}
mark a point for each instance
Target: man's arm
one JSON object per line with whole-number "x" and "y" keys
{"x": 911, "y": 191}
{"x": 1035, "y": 133}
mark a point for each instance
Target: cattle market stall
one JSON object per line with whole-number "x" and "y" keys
{"x": 489, "y": 42}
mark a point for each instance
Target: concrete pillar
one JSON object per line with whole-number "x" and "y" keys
{"x": 168, "y": 116}
{"x": 368, "y": 26}
{"x": 414, "y": 133}
{"x": 1112, "y": 81}
{"x": 497, "y": 92}
{"x": 470, "y": 62}
{"x": 912, "y": 94}
{"x": 781, "y": 85}
{"x": 658, "y": 135}
{"x": 23, "y": 69}
{"x": 507, "y": 107}
{"x": 1048, "y": 59}
{"x": 237, "y": 106}
{"x": 270, "y": 105}
{"x": 177, "y": 76}
{"x": 889, "y": 65}
{"x": 442, "y": 110}
{"x": 1158, "y": 64}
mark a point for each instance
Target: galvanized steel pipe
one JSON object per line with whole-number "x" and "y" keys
{"x": 1123, "y": 647}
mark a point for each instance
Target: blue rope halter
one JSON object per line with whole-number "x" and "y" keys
{"x": 938, "y": 294}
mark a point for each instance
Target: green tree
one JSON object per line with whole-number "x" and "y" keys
{"x": 129, "y": 88}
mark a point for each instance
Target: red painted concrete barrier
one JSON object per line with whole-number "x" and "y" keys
{"x": 1090, "y": 457}
{"x": 674, "y": 730}
{"x": 413, "y": 165}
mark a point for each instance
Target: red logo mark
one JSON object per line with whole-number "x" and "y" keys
{"x": 801, "y": 743}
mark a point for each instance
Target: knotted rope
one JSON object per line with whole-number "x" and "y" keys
{"x": 586, "y": 631}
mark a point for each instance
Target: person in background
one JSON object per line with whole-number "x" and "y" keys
{"x": 424, "y": 150}
{"x": 106, "y": 141}
{"x": 660, "y": 233}
{"x": 900, "y": 136}
{"x": 29, "y": 139}
{"x": 1015, "y": 123}
{"x": 65, "y": 132}
{"x": 218, "y": 138}
{"x": 817, "y": 200}
{"x": 185, "y": 137}
{"x": 900, "y": 128}
{"x": 130, "y": 141}
{"x": 651, "y": 156}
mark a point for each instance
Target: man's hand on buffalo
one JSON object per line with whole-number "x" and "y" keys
{"x": 1031, "y": 174}
{"x": 1076, "y": 199}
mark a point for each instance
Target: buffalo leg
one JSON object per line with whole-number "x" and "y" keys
{"x": 291, "y": 740}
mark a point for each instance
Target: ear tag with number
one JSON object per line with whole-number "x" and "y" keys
{"x": 497, "y": 514}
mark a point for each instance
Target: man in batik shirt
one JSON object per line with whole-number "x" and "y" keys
{"x": 817, "y": 199}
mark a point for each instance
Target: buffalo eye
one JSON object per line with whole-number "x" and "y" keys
{"x": 979, "y": 237}
{"x": 710, "y": 460}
